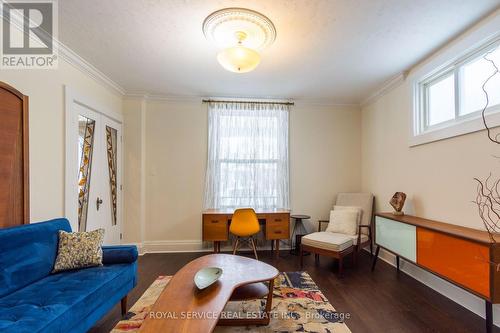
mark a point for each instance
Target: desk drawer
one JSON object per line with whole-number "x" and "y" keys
{"x": 215, "y": 227}
{"x": 278, "y": 219}
{"x": 277, "y": 231}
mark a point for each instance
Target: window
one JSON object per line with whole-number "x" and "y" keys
{"x": 454, "y": 95}
{"x": 247, "y": 156}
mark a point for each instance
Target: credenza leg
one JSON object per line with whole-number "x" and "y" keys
{"x": 397, "y": 263}
{"x": 375, "y": 257}
{"x": 277, "y": 248}
{"x": 489, "y": 317}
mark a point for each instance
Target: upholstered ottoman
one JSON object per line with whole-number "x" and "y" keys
{"x": 329, "y": 244}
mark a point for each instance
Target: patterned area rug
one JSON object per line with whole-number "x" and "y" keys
{"x": 298, "y": 306}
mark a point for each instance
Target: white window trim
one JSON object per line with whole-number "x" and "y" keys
{"x": 446, "y": 61}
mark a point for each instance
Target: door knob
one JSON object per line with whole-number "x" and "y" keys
{"x": 98, "y": 202}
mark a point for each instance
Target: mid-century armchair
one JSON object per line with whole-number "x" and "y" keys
{"x": 339, "y": 245}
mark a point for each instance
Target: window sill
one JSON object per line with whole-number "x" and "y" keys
{"x": 466, "y": 126}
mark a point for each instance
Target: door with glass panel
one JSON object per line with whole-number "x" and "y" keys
{"x": 99, "y": 173}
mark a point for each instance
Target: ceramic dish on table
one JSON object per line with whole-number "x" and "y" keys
{"x": 207, "y": 276}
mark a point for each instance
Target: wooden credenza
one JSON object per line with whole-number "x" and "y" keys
{"x": 215, "y": 224}
{"x": 463, "y": 256}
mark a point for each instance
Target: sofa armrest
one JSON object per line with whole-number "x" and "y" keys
{"x": 119, "y": 254}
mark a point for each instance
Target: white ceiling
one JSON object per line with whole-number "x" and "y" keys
{"x": 336, "y": 51}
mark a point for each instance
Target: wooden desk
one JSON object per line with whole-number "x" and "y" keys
{"x": 216, "y": 226}
{"x": 463, "y": 256}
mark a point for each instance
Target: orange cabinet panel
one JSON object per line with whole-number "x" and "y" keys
{"x": 461, "y": 261}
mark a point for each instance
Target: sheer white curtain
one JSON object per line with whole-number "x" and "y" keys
{"x": 247, "y": 156}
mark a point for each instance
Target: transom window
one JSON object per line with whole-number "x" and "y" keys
{"x": 455, "y": 93}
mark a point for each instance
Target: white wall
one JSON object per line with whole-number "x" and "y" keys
{"x": 437, "y": 177}
{"x": 45, "y": 89}
{"x": 325, "y": 155}
{"x": 134, "y": 151}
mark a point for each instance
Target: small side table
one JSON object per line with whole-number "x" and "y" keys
{"x": 299, "y": 230}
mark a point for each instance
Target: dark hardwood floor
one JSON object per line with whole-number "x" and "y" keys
{"x": 379, "y": 301}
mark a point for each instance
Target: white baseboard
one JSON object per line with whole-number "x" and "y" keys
{"x": 140, "y": 247}
{"x": 170, "y": 246}
{"x": 456, "y": 294}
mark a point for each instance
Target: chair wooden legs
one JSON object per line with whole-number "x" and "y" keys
{"x": 340, "y": 266}
{"x": 252, "y": 243}
{"x": 355, "y": 257}
{"x": 235, "y": 246}
{"x": 254, "y": 248}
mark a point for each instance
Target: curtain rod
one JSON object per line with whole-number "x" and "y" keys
{"x": 254, "y": 102}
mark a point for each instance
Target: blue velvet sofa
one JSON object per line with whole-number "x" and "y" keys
{"x": 34, "y": 300}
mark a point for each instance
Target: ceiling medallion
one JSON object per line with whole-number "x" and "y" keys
{"x": 240, "y": 34}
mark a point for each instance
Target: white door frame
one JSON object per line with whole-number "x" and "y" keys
{"x": 71, "y": 163}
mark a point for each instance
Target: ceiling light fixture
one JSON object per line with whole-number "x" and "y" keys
{"x": 240, "y": 33}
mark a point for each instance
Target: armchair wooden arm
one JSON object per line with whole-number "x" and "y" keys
{"x": 369, "y": 235}
{"x": 365, "y": 226}
{"x": 319, "y": 224}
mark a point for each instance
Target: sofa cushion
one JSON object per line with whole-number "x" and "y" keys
{"x": 59, "y": 301}
{"x": 363, "y": 200}
{"x": 28, "y": 253}
{"x": 328, "y": 241}
{"x": 343, "y": 222}
{"x": 359, "y": 210}
{"x": 79, "y": 250}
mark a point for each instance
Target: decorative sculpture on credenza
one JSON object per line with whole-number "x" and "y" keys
{"x": 397, "y": 202}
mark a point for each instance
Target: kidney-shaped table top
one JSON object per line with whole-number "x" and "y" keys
{"x": 181, "y": 307}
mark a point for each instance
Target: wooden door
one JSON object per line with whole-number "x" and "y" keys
{"x": 14, "y": 171}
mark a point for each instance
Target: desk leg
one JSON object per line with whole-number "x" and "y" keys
{"x": 375, "y": 257}
{"x": 489, "y": 317}
{"x": 277, "y": 253}
{"x": 216, "y": 247}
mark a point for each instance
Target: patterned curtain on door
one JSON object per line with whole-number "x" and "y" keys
{"x": 86, "y": 129}
{"x": 111, "y": 136}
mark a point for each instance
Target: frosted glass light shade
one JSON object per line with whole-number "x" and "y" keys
{"x": 238, "y": 59}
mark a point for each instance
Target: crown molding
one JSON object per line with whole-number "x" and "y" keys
{"x": 386, "y": 87}
{"x": 159, "y": 97}
{"x": 324, "y": 103}
{"x": 72, "y": 58}
{"x": 139, "y": 95}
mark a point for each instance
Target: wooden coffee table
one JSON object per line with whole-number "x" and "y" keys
{"x": 181, "y": 307}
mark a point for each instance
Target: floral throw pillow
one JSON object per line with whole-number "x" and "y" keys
{"x": 79, "y": 250}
